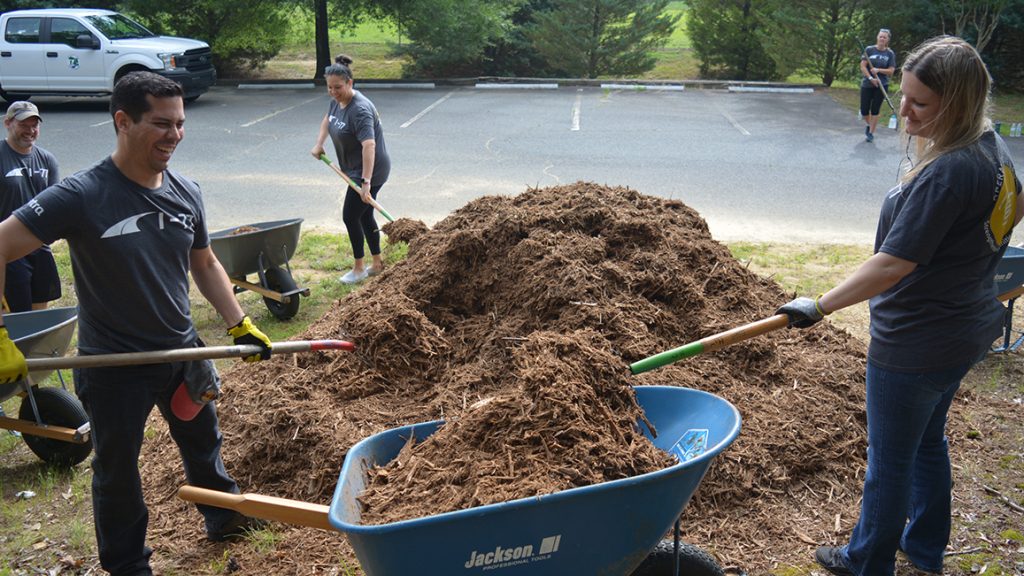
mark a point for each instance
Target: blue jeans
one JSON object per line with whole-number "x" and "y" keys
{"x": 118, "y": 401}
{"x": 908, "y": 475}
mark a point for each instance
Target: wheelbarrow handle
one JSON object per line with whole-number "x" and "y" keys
{"x": 349, "y": 181}
{"x": 710, "y": 343}
{"x": 266, "y": 507}
{"x": 182, "y": 354}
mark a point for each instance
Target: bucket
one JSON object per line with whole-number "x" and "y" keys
{"x": 603, "y": 529}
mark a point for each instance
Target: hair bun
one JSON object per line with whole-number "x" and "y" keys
{"x": 342, "y": 59}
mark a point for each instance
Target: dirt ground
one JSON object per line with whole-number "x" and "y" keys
{"x": 517, "y": 317}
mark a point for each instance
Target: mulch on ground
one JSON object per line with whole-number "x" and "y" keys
{"x": 523, "y": 313}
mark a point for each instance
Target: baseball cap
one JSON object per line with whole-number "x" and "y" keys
{"x": 21, "y": 110}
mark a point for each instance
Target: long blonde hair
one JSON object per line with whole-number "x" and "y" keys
{"x": 954, "y": 70}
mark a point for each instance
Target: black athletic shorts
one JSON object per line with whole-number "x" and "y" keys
{"x": 31, "y": 280}
{"x": 871, "y": 98}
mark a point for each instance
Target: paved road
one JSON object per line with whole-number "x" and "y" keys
{"x": 757, "y": 166}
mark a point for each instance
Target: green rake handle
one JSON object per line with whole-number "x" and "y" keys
{"x": 349, "y": 181}
{"x": 711, "y": 343}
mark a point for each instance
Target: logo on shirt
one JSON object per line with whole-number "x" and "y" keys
{"x": 27, "y": 172}
{"x": 130, "y": 225}
{"x": 1000, "y": 222}
{"x": 337, "y": 122}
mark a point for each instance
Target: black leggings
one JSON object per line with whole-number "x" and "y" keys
{"x": 871, "y": 98}
{"x": 359, "y": 222}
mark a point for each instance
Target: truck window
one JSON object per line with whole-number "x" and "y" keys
{"x": 66, "y": 30}
{"x": 22, "y": 30}
{"x": 118, "y": 27}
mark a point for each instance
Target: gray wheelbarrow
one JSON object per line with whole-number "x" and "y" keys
{"x": 53, "y": 422}
{"x": 263, "y": 249}
{"x": 610, "y": 528}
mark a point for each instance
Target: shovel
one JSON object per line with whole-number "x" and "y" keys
{"x": 181, "y": 403}
{"x": 349, "y": 181}
{"x": 710, "y": 343}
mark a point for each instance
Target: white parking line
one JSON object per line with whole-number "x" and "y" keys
{"x": 427, "y": 109}
{"x": 576, "y": 112}
{"x": 736, "y": 124}
{"x": 272, "y": 114}
{"x": 104, "y": 123}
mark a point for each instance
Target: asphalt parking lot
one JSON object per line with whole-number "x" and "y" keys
{"x": 758, "y": 166}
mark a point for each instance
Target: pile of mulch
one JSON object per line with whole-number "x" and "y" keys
{"x": 547, "y": 295}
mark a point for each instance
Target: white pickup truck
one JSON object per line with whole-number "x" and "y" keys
{"x": 83, "y": 52}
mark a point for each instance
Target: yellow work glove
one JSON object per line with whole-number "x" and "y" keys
{"x": 12, "y": 361}
{"x": 246, "y": 333}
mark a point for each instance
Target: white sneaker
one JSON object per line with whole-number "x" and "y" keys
{"x": 373, "y": 270}
{"x": 353, "y": 277}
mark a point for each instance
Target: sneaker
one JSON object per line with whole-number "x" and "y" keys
{"x": 867, "y": 130}
{"x": 871, "y": 137}
{"x": 831, "y": 559}
{"x": 373, "y": 270}
{"x": 353, "y": 277}
{"x": 238, "y": 527}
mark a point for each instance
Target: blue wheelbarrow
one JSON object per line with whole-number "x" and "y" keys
{"x": 263, "y": 249}
{"x": 1009, "y": 282}
{"x": 553, "y": 534}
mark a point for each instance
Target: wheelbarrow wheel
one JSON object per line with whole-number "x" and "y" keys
{"x": 57, "y": 407}
{"x": 693, "y": 561}
{"x": 279, "y": 280}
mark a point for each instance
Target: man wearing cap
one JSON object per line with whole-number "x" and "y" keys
{"x": 32, "y": 281}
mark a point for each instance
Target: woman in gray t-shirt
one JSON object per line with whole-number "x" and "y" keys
{"x": 934, "y": 313}
{"x": 353, "y": 124}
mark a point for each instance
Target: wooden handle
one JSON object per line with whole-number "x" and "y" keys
{"x": 182, "y": 355}
{"x": 711, "y": 343}
{"x": 352, "y": 184}
{"x": 266, "y": 507}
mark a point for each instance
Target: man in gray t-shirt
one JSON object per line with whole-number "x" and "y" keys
{"x": 136, "y": 230}
{"x": 27, "y": 170}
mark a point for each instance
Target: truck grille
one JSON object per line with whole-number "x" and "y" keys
{"x": 197, "y": 60}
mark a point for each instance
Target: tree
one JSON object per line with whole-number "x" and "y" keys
{"x": 591, "y": 38}
{"x": 243, "y": 34}
{"x": 727, "y": 38}
{"x": 977, "y": 19}
{"x": 449, "y": 37}
{"x": 822, "y": 37}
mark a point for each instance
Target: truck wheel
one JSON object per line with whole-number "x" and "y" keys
{"x": 57, "y": 407}
{"x": 693, "y": 561}
{"x": 8, "y": 97}
{"x": 127, "y": 70}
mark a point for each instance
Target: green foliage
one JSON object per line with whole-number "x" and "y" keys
{"x": 449, "y": 37}
{"x": 8, "y": 5}
{"x": 590, "y": 38}
{"x": 728, "y": 39}
{"x": 243, "y": 34}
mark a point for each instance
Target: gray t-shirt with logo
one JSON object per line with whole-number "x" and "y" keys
{"x": 129, "y": 252}
{"x": 25, "y": 175}
{"x": 954, "y": 220}
{"x": 348, "y": 128}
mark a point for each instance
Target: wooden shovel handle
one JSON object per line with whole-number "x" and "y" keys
{"x": 182, "y": 355}
{"x": 352, "y": 184}
{"x": 711, "y": 343}
{"x": 266, "y": 507}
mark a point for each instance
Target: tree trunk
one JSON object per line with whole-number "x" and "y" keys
{"x": 323, "y": 47}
